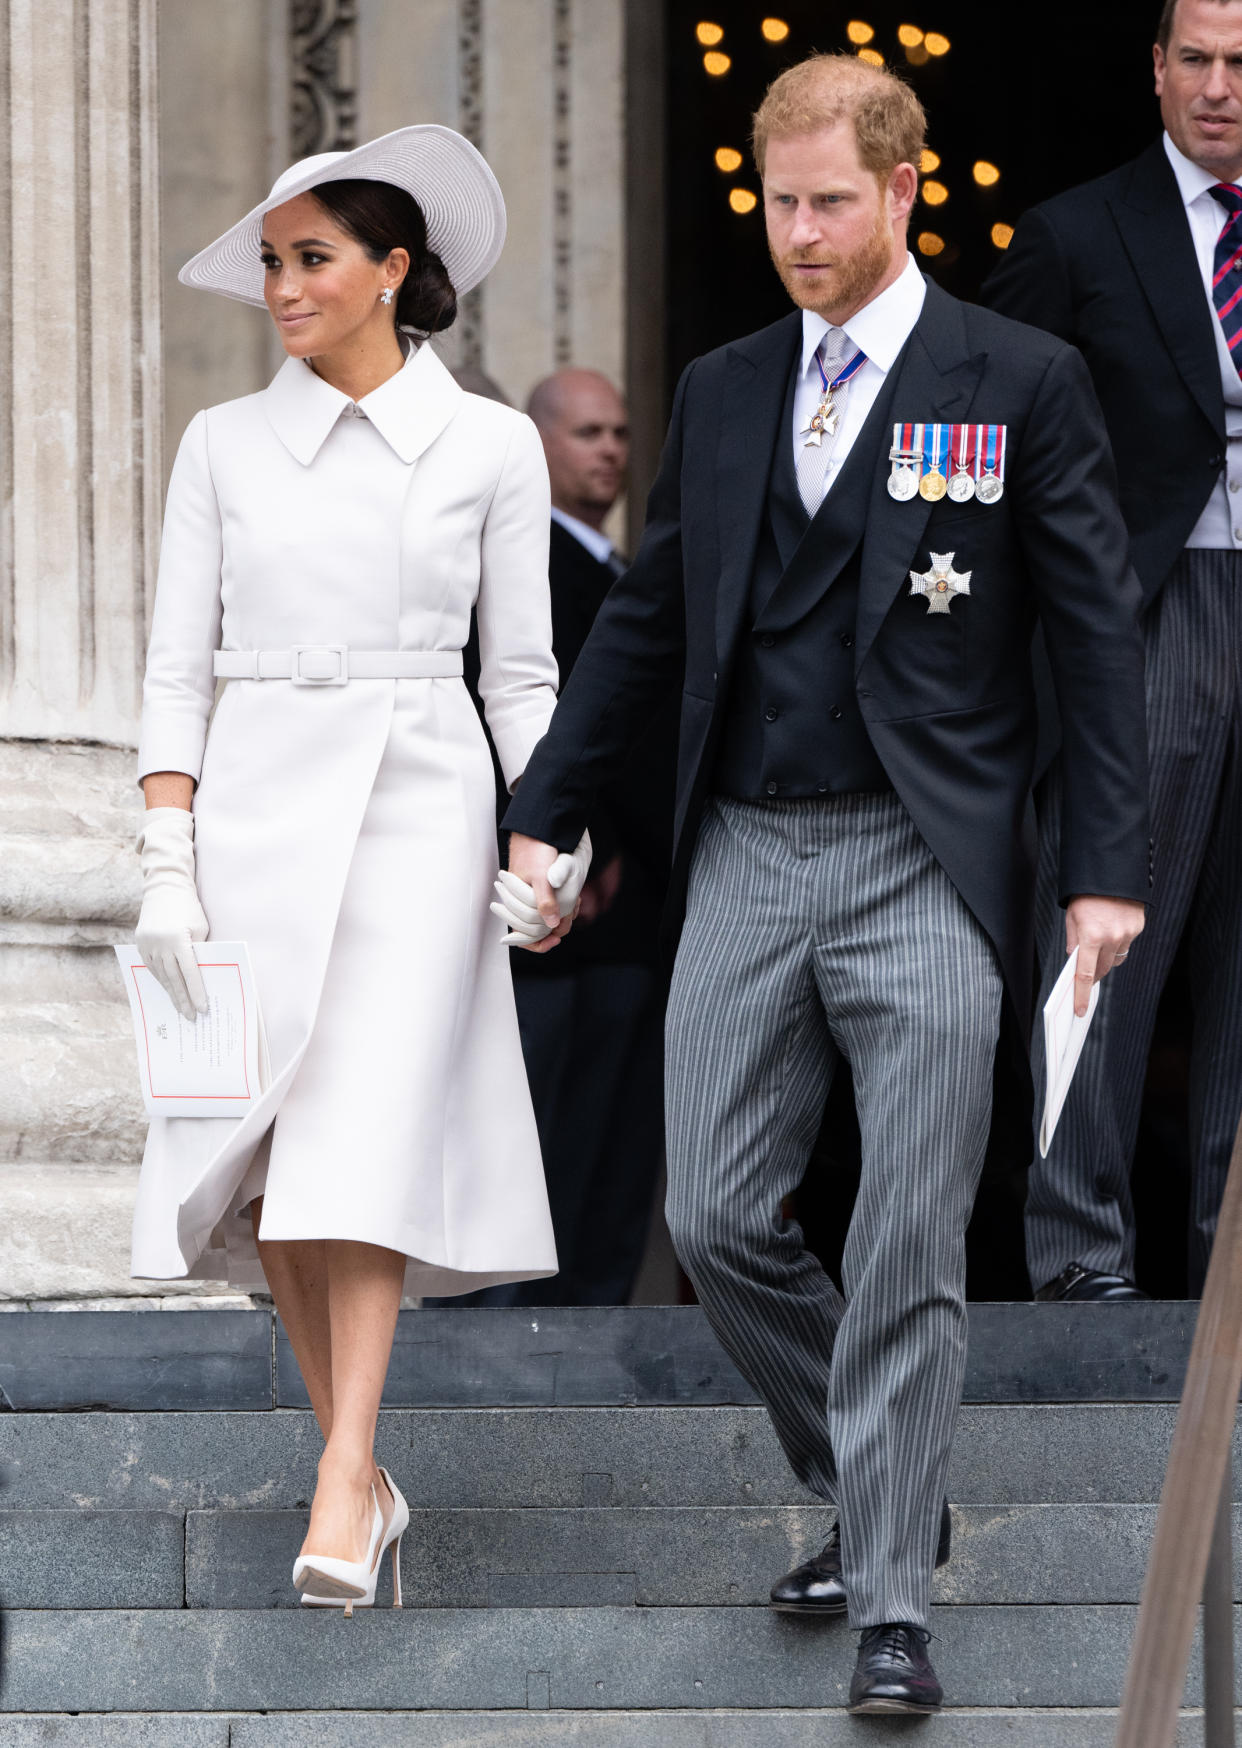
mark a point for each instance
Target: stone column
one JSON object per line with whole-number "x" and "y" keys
{"x": 80, "y": 420}
{"x": 539, "y": 86}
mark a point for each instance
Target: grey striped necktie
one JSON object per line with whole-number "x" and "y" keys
{"x": 813, "y": 458}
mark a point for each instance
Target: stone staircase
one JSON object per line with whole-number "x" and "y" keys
{"x": 598, "y": 1509}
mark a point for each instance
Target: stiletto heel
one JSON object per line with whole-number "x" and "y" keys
{"x": 349, "y": 1584}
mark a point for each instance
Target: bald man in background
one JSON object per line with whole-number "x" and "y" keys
{"x": 591, "y": 1012}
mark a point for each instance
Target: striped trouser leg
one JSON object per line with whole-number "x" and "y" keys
{"x": 1079, "y": 1207}
{"x": 748, "y": 1064}
{"x": 814, "y": 927}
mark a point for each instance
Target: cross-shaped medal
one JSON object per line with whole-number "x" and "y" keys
{"x": 827, "y": 415}
{"x": 941, "y": 583}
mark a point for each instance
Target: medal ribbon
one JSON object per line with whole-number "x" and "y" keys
{"x": 935, "y": 446}
{"x": 851, "y": 370}
{"x": 995, "y": 462}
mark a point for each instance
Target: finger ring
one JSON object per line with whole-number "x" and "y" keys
{"x": 1118, "y": 957}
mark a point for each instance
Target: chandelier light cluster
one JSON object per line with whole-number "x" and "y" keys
{"x": 918, "y": 46}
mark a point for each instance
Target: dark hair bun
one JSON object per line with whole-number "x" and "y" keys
{"x": 382, "y": 218}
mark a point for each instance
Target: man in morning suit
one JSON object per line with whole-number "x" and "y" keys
{"x": 853, "y": 819}
{"x": 1142, "y": 271}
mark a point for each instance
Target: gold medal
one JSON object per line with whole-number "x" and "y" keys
{"x": 933, "y": 486}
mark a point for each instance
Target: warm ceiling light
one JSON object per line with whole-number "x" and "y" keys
{"x": 1002, "y": 235}
{"x": 775, "y": 29}
{"x": 929, "y": 161}
{"x": 728, "y": 159}
{"x": 716, "y": 64}
{"x": 918, "y": 55}
{"x": 935, "y": 193}
{"x": 742, "y": 200}
{"x": 985, "y": 174}
{"x": 857, "y": 31}
{"x": 909, "y": 36}
{"x": 936, "y": 44}
{"x": 930, "y": 243}
{"x": 709, "y": 34}
{"x": 873, "y": 57}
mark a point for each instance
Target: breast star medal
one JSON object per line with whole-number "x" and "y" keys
{"x": 941, "y": 583}
{"x": 827, "y": 415}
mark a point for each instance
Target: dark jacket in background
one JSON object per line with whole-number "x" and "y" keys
{"x": 1111, "y": 267}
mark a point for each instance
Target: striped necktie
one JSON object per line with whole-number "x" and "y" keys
{"x": 1227, "y": 269}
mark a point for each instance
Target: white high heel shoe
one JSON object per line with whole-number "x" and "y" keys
{"x": 326, "y": 1582}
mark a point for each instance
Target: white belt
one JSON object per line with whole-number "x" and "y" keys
{"x": 334, "y": 664}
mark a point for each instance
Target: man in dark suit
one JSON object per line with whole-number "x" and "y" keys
{"x": 850, "y": 631}
{"x": 591, "y": 1014}
{"x": 1142, "y": 271}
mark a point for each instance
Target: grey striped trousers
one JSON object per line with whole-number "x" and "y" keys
{"x": 816, "y": 929}
{"x": 1079, "y": 1207}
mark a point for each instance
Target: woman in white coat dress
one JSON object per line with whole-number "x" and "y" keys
{"x": 325, "y": 542}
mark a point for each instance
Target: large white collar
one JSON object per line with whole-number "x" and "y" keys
{"x": 409, "y": 410}
{"x": 882, "y": 327}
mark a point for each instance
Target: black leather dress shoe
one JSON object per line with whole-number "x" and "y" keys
{"x": 1076, "y": 1282}
{"x": 815, "y": 1587}
{"x": 894, "y": 1672}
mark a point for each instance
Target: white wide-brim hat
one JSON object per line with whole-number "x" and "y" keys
{"x": 451, "y": 181}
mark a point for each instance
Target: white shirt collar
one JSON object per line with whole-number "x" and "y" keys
{"x": 881, "y": 328}
{"x": 409, "y": 410}
{"x": 1192, "y": 181}
{"x": 598, "y": 545}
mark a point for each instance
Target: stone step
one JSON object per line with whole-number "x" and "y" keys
{"x": 705, "y": 1728}
{"x": 554, "y": 1457}
{"x": 513, "y": 1659}
{"x": 680, "y": 1557}
{"x": 683, "y": 1557}
{"x": 579, "y": 1357}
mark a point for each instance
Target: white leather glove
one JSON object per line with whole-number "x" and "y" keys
{"x": 171, "y": 916}
{"x": 516, "y": 899}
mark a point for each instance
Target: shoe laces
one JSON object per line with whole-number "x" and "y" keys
{"x": 893, "y": 1638}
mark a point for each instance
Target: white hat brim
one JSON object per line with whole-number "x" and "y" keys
{"x": 451, "y": 181}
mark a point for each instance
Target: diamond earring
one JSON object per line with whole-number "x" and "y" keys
{"x": 386, "y": 296}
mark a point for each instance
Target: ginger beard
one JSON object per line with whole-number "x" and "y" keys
{"x": 851, "y": 279}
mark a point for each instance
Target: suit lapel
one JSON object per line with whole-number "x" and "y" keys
{"x": 1151, "y": 218}
{"x": 753, "y": 400}
{"x": 934, "y": 380}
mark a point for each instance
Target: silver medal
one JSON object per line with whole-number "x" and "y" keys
{"x": 903, "y": 482}
{"x": 961, "y": 487}
{"x": 990, "y": 489}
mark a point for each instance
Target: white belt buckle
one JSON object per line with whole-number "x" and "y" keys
{"x": 331, "y": 658}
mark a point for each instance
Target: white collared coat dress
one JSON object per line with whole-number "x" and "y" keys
{"x": 347, "y": 832}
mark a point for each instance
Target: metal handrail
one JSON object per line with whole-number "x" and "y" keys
{"x": 1192, "y": 1554}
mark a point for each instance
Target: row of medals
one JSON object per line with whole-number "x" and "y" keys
{"x": 904, "y": 482}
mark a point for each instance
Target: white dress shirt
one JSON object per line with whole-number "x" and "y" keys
{"x": 598, "y": 545}
{"x": 881, "y": 328}
{"x": 1220, "y": 525}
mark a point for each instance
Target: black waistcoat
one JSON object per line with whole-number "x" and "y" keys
{"x": 792, "y": 724}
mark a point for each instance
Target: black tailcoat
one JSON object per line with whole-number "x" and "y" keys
{"x": 1111, "y": 267}
{"x": 947, "y": 699}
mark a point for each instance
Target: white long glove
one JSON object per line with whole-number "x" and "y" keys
{"x": 516, "y": 899}
{"x": 171, "y": 916}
